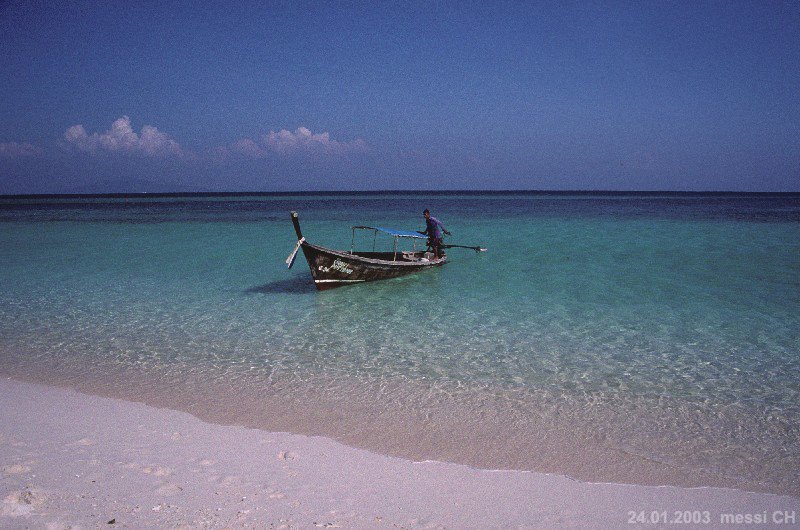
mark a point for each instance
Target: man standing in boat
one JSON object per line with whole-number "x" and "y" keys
{"x": 434, "y": 229}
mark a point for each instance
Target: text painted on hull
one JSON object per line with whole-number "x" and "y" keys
{"x": 338, "y": 265}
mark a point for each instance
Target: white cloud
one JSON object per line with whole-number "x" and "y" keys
{"x": 122, "y": 138}
{"x": 19, "y": 150}
{"x": 248, "y": 147}
{"x": 302, "y": 140}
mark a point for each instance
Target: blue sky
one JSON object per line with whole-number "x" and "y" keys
{"x": 268, "y": 96}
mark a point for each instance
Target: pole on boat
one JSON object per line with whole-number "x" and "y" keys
{"x": 300, "y": 239}
{"x": 296, "y": 223}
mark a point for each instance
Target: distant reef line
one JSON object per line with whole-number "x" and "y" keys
{"x": 366, "y": 193}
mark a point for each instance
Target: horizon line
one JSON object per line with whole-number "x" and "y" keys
{"x": 179, "y": 194}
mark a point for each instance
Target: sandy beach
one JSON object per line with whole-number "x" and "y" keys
{"x": 72, "y": 460}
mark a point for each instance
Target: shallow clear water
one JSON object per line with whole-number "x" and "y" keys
{"x": 651, "y": 339}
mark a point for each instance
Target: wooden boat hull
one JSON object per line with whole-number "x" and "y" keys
{"x": 334, "y": 268}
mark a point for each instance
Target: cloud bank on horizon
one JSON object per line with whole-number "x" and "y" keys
{"x": 121, "y": 138}
{"x": 301, "y": 140}
{"x": 300, "y": 150}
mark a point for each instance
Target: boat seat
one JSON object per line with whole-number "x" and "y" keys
{"x": 410, "y": 256}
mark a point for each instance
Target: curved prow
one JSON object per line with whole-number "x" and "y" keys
{"x": 296, "y": 223}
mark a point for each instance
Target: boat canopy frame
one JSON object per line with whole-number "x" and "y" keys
{"x": 396, "y": 235}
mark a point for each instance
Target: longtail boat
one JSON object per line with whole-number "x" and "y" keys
{"x": 335, "y": 268}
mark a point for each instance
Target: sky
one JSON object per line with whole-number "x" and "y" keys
{"x": 99, "y": 97}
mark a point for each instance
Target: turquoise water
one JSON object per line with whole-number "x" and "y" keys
{"x": 651, "y": 339}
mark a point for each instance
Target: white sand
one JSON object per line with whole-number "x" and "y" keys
{"x": 73, "y": 460}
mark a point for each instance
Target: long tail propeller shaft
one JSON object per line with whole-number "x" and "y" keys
{"x": 476, "y": 249}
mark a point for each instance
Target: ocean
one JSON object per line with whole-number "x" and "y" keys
{"x": 629, "y": 337}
